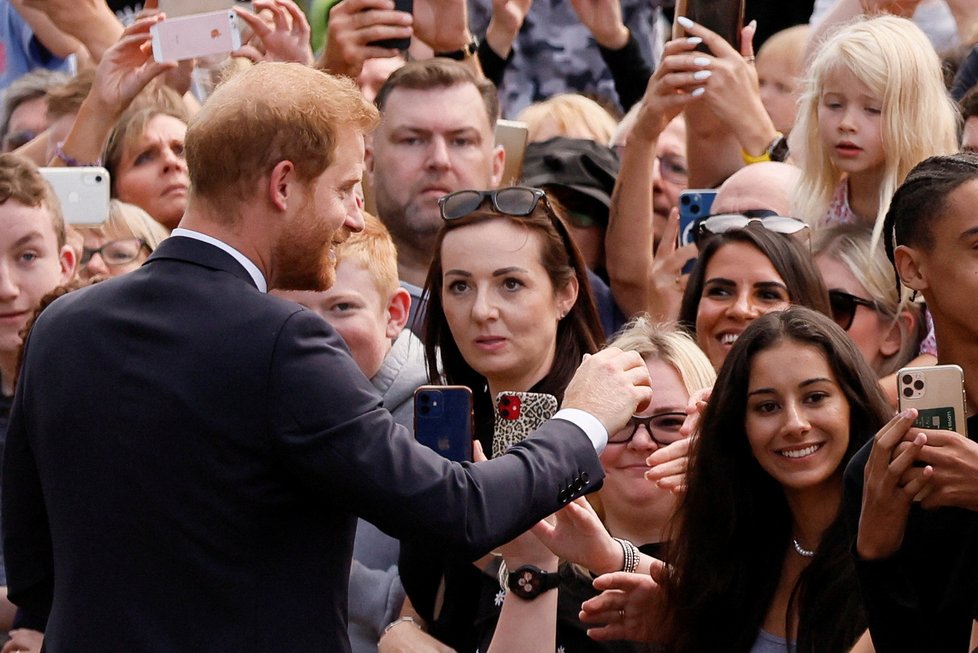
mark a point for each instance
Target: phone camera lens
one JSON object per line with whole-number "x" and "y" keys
{"x": 425, "y": 399}
{"x": 919, "y": 385}
{"x": 907, "y": 379}
{"x": 907, "y": 392}
{"x": 424, "y": 410}
{"x": 98, "y": 179}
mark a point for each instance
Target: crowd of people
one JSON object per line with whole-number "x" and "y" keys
{"x": 695, "y": 272}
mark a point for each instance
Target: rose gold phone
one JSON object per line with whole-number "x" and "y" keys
{"x": 937, "y": 392}
{"x": 513, "y": 136}
{"x": 198, "y": 35}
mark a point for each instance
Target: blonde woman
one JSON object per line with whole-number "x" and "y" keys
{"x": 120, "y": 244}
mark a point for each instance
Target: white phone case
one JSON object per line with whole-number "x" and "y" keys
{"x": 83, "y": 193}
{"x": 199, "y": 35}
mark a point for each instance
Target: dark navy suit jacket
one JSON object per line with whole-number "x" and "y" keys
{"x": 187, "y": 457}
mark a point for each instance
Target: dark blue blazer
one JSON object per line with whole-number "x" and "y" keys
{"x": 187, "y": 457}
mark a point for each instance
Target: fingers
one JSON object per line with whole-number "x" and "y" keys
{"x": 895, "y": 430}
{"x": 670, "y": 235}
{"x": 716, "y": 43}
{"x": 249, "y": 52}
{"x": 662, "y": 456}
{"x": 902, "y": 462}
{"x": 747, "y": 40}
{"x": 478, "y": 455}
{"x": 257, "y": 25}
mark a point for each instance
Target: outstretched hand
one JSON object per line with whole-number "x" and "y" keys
{"x": 353, "y": 26}
{"x": 575, "y": 533}
{"x": 612, "y": 385}
{"x": 630, "y": 606}
{"x": 281, "y": 32}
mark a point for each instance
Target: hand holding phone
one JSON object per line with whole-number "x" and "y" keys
{"x": 83, "y": 193}
{"x": 197, "y": 35}
{"x": 937, "y": 392}
{"x": 725, "y": 17}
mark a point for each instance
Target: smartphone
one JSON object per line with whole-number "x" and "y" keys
{"x": 443, "y": 420}
{"x": 513, "y": 135}
{"x": 937, "y": 392}
{"x": 725, "y": 17}
{"x": 518, "y": 414}
{"x": 83, "y": 193}
{"x": 407, "y": 6}
{"x": 694, "y": 205}
{"x": 198, "y": 35}
{"x": 177, "y": 8}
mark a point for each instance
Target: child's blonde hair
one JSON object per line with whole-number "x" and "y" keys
{"x": 895, "y": 60}
{"x": 373, "y": 249}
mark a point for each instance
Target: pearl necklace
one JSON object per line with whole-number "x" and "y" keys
{"x": 802, "y": 551}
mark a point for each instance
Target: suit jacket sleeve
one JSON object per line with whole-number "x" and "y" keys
{"x": 330, "y": 431}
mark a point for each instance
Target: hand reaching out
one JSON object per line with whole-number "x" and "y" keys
{"x": 281, "y": 32}
{"x": 353, "y": 26}
{"x": 577, "y": 534}
{"x": 630, "y": 606}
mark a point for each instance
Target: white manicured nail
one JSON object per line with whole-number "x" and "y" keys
{"x": 696, "y": 92}
{"x": 701, "y": 61}
{"x": 685, "y": 22}
{"x": 700, "y": 75}
{"x": 694, "y": 40}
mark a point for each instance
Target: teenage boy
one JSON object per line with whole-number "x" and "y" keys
{"x": 913, "y": 493}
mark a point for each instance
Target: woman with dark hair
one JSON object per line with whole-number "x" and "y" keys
{"x": 760, "y": 526}
{"x": 509, "y": 309}
{"x": 509, "y": 305}
{"x": 760, "y": 553}
{"x": 742, "y": 274}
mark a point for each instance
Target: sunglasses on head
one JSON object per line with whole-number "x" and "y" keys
{"x": 514, "y": 200}
{"x": 724, "y": 222}
{"x": 844, "y": 307}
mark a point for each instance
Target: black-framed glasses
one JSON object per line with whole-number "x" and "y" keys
{"x": 724, "y": 222}
{"x": 662, "y": 428}
{"x": 116, "y": 252}
{"x": 513, "y": 200}
{"x": 844, "y": 307}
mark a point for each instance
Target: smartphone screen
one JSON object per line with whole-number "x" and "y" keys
{"x": 443, "y": 420}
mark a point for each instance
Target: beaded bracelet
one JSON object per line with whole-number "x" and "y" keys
{"x": 630, "y": 555}
{"x": 70, "y": 161}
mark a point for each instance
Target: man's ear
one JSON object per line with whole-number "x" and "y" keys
{"x": 908, "y": 264}
{"x": 282, "y": 185}
{"x": 498, "y": 164}
{"x": 68, "y": 262}
{"x": 398, "y": 310}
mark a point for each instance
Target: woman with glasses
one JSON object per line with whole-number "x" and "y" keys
{"x": 627, "y": 507}
{"x": 742, "y": 273}
{"x": 761, "y": 556}
{"x": 120, "y": 244}
{"x": 866, "y": 301}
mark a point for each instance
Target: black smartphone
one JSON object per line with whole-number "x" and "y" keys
{"x": 443, "y": 420}
{"x": 725, "y": 17}
{"x": 694, "y": 205}
{"x": 406, "y": 6}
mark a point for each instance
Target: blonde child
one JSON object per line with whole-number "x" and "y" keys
{"x": 873, "y": 106}
{"x": 780, "y": 64}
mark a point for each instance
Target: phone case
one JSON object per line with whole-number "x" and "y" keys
{"x": 937, "y": 392}
{"x": 725, "y": 17}
{"x": 83, "y": 193}
{"x": 177, "y": 8}
{"x": 198, "y": 35}
{"x": 694, "y": 205}
{"x": 443, "y": 420}
{"x": 517, "y": 415}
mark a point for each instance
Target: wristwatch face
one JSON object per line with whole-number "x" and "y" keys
{"x": 529, "y": 582}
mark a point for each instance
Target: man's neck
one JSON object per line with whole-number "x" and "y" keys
{"x": 412, "y": 266}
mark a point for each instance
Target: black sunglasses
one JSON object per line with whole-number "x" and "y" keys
{"x": 844, "y": 307}
{"x": 514, "y": 200}
{"x": 771, "y": 221}
{"x": 662, "y": 428}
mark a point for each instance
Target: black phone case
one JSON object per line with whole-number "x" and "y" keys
{"x": 406, "y": 6}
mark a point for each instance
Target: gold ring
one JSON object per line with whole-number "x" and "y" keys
{"x": 621, "y": 613}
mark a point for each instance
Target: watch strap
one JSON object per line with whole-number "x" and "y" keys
{"x": 463, "y": 53}
{"x": 777, "y": 150}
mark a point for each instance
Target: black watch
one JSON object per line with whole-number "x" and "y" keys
{"x": 778, "y": 149}
{"x": 529, "y": 582}
{"x": 462, "y": 53}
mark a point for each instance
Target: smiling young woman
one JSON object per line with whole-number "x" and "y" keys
{"x": 759, "y": 527}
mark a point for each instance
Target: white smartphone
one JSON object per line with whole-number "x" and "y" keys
{"x": 198, "y": 35}
{"x": 937, "y": 392}
{"x": 177, "y": 8}
{"x": 83, "y": 193}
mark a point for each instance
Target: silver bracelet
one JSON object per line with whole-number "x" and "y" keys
{"x": 630, "y": 555}
{"x": 401, "y": 620}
